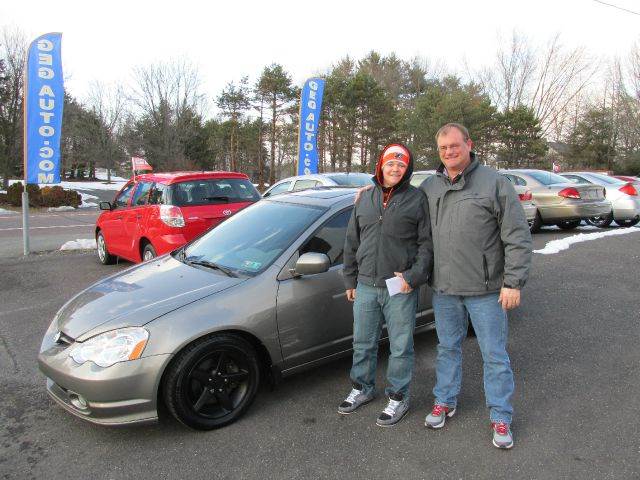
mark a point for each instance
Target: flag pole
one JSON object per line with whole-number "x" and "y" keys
{"x": 25, "y": 194}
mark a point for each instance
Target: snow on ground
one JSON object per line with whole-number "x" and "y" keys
{"x": 101, "y": 174}
{"x": 85, "y": 203}
{"x": 115, "y": 185}
{"x": 10, "y": 212}
{"x": 561, "y": 244}
{"x": 80, "y": 244}
{"x": 64, "y": 208}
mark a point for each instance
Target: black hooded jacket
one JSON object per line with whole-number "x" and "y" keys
{"x": 381, "y": 241}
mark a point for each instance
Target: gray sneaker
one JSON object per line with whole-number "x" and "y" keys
{"x": 438, "y": 416}
{"x": 502, "y": 437}
{"x": 355, "y": 399}
{"x": 396, "y": 409}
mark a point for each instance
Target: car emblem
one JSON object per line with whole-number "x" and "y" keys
{"x": 226, "y": 212}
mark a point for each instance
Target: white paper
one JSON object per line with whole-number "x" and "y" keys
{"x": 394, "y": 285}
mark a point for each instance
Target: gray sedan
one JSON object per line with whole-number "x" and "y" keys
{"x": 258, "y": 297}
{"x": 559, "y": 201}
{"x": 333, "y": 179}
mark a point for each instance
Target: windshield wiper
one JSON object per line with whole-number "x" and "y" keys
{"x": 208, "y": 264}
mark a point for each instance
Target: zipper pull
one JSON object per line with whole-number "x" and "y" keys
{"x": 380, "y": 219}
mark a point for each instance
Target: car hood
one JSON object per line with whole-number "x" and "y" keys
{"x": 137, "y": 296}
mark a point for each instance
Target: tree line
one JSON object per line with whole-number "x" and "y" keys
{"x": 534, "y": 105}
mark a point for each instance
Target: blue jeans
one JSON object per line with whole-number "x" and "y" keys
{"x": 372, "y": 306}
{"x": 489, "y": 321}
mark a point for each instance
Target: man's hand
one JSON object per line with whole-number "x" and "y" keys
{"x": 361, "y": 191}
{"x": 509, "y": 298}
{"x": 406, "y": 288}
{"x": 351, "y": 294}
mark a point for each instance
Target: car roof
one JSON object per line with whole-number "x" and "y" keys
{"x": 316, "y": 176}
{"x": 326, "y": 197}
{"x": 174, "y": 177}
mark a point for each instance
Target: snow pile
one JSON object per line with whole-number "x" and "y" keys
{"x": 80, "y": 244}
{"x": 3, "y": 211}
{"x": 561, "y": 244}
{"x": 64, "y": 208}
{"x": 85, "y": 203}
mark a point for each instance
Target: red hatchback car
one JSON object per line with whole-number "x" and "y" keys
{"x": 159, "y": 212}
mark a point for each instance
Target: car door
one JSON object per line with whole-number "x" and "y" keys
{"x": 135, "y": 218}
{"x": 314, "y": 318}
{"x": 113, "y": 227}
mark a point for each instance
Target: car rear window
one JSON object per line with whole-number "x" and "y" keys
{"x": 213, "y": 191}
{"x": 548, "y": 178}
{"x": 352, "y": 179}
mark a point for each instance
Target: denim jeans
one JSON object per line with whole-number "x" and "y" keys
{"x": 489, "y": 321}
{"x": 372, "y": 306}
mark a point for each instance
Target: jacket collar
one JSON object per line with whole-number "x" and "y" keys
{"x": 463, "y": 176}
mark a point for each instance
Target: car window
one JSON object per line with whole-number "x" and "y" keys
{"x": 304, "y": 184}
{"x": 158, "y": 194}
{"x": 142, "y": 193}
{"x": 547, "y": 178}
{"x": 329, "y": 238}
{"x": 575, "y": 179}
{"x": 605, "y": 179}
{"x": 280, "y": 188}
{"x": 213, "y": 191}
{"x": 515, "y": 179}
{"x": 122, "y": 200}
{"x": 252, "y": 239}
{"x": 352, "y": 179}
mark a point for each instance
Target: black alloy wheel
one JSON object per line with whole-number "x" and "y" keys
{"x": 602, "y": 221}
{"x": 628, "y": 223}
{"x": 103, "y": 252}
{"x": 568, "y": 224}
{"x": 212, "y": 382}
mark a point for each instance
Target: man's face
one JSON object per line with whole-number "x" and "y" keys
{"x": 454, "y": 150}
{"x": 392, "y": 172}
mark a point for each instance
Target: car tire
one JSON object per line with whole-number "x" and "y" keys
{"x": 568, "y": 224}
{"x": 602, "y": 221}
{"x": 212, "y": 382}
{"x": 103, "y": 252}
{"x": 627, "y": 223}
{"x": 148, "y": 253}
{"x": 536, "y": 224}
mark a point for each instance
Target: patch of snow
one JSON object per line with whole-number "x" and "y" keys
{"x": 80, "y": 244}
{"x": 64, "y": 208}
{"x": 115, "y": 186}
{"x": 3, "y": 211}
{"x": 561, "y": 244}
{"x": 101, "y": 174}
{"x": 85, "y": 203}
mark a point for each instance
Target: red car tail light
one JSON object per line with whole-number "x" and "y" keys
{"x": 629, "y": 190}
{"x": 569, "y": 192}
{"x": 171, "y": 215}
{"x": 526, "y": 196}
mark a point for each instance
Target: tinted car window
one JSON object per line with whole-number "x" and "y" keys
{"x": 122, "y": 200}
{"x": 158, "y": 194}
{"x": 213, "y": 191}
{"x": 142, "y": 193}
{"x": 253, "y": 238}
{"x": 304, "y": 184}
{"x": 329, "y": 239}
{"x": 547, "y": 178}
{"x": 280, "y": 188}
{"x": 352, "y": 179}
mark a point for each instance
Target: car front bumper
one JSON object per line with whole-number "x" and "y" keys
{"x": 122, "y": 394}
{"x": 574, "y": 211}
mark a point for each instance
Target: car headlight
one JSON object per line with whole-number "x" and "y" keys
{"x": 111, "y": 347}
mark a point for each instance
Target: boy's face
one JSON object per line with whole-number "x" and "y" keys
{"x": 392, "y": 172}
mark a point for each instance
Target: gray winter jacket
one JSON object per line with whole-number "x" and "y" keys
{"x": 481, "y": 240}
{"x": 381, "y": 241}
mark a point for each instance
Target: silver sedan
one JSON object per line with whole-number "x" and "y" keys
{"x": 260, "y": 296}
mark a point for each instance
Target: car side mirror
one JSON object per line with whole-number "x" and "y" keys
{"x": 105, "y": 206}
{"x": 311, "y": 263}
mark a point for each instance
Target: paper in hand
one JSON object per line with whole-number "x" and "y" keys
{"x": 394, "y": 285}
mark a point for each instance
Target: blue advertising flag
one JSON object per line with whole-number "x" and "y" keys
{"x": 310, "y": 108}
{"x": 44, "y": 98}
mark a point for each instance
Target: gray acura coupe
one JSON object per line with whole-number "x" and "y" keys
{"x": 258, "y": 297}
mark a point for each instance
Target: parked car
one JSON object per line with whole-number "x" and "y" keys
{"x": 420, "y": 176}
{"x": 260, "y": 295}
{"x": 559, "y": 201}
{"x": 529, "y": 207}
{"x": 635, "y": 181}
{"x": 156, "y": 213}
{"x": 335, "y": 179}
{"x": 625, "y": 202}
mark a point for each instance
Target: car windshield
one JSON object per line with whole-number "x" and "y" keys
{"x": 213, "y": 190}
{"x": 547, "y": 178}
{"x": 253, "y": 238}
{"x": 352, "y": 179}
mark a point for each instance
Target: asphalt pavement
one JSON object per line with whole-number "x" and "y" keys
{"x": 574, "y": 351}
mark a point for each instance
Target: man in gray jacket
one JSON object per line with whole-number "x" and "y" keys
{"x": 388, "y": 237}
{"x": 482, "y": 255}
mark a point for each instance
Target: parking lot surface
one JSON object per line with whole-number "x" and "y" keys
{"x": 574, "y": 351}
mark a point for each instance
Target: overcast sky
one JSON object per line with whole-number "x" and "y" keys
{"x": 229, "y": 39}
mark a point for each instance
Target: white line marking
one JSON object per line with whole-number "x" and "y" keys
{"x": 52, "y": 226}
{"x": 555, "y": 246}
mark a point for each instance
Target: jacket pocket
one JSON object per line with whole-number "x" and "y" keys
{"x": 485, "y": 269}
{"x": 473, "y": 212}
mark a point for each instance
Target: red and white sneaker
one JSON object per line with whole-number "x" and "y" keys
{"x": 438, "y": 416}
{"x": 502, "y": 437}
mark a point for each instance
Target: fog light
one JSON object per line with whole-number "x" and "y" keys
{"x": 78, "y": 401}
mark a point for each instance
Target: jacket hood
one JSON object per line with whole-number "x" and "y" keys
{"x": 407, "y": 174}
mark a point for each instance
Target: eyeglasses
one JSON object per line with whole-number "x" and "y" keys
{"x": 454, "y": 147}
